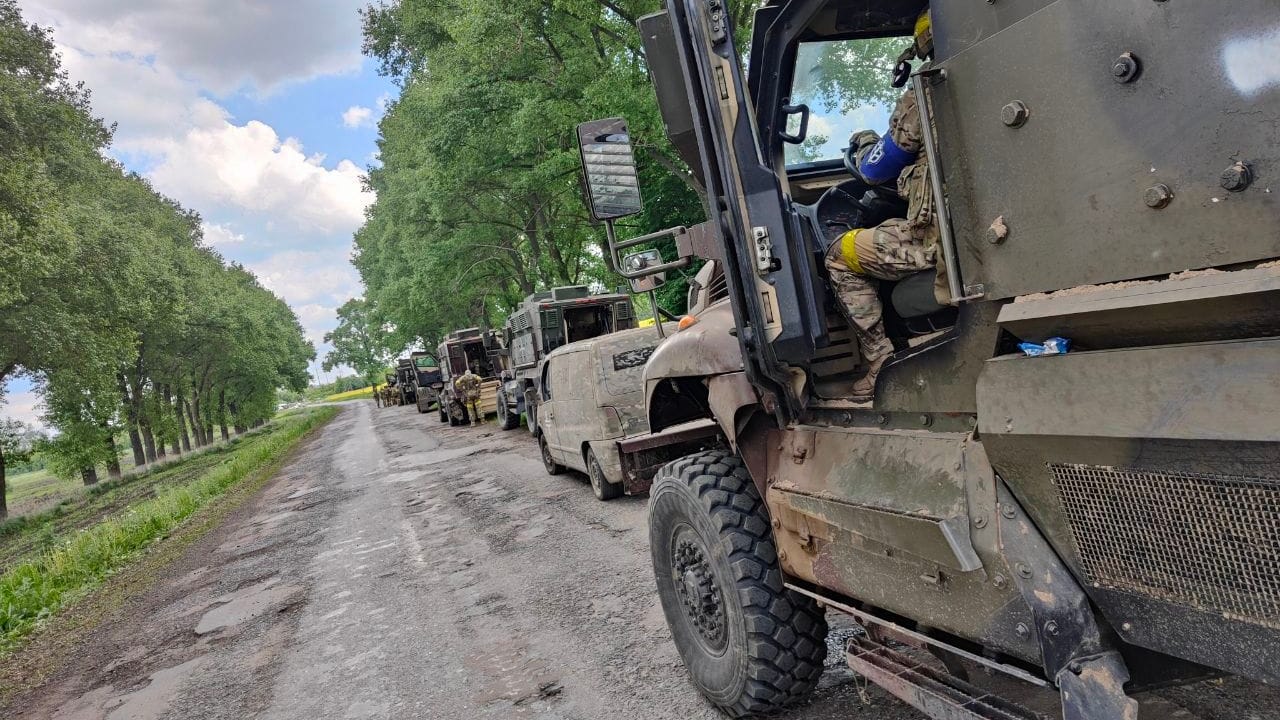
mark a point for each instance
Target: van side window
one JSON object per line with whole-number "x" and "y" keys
{"x": 546, "y": 380}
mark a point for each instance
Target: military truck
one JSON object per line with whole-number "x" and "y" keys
{"x": 1101, "y": 521}
{"x": 405, "y": 381}
{"x": 543, "y": 322}
{"x": 428, "y": 380}
{"x": 461, "y": 349}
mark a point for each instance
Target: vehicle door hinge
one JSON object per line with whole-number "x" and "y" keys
{"x": 764, "y": 249}
{"x": 717, "y": 19}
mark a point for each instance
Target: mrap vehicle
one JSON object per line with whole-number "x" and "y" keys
{"x": 543, "y": 322}
{"x": 461, "y": 349}
{"x": 428, "y": 380}
{"x": 1099, "y": 522}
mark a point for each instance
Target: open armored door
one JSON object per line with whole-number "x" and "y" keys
{"x": 772, "y": 280}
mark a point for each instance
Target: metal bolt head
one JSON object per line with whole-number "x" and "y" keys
{"x": 1000, "y": 581}
{"x": 1158, "y": 196}
{"x": 777, "y": 524}
{"x": 1237, "y": 177}
{"x": 925, "y": 420}
{"x": 1022, "y": 630}
{"x": 881, "y": 419}
{"x": 980, "y": 521}
{"x": 1023, "y": 570}
{"x": 1007, "y": 511}
{"x": 1126, "y": 626}
{"x": 1015, "y": 114}
{"x": 1125, "y": 68}
{"x": 782, "y": 555}
{"x": 1051, "y": 627}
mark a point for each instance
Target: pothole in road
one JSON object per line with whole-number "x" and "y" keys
{"x": 247, "y": 604}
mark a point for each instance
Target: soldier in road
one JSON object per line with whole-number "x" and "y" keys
{"x": 469, "y": 387}
{"x": 377, "y": 396}
{"x": 898, "y": 247}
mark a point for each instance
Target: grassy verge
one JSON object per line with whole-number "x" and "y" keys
{"x": 34, "y": 590}
{"x": 361, "y": 394}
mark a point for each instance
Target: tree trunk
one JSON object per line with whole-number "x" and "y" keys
{"x": 89, "y": 475}
{"x": 222, "y": 414}
{"x": 131, "y": 414}
{"x": 4, "y": 490}
{"x": 149, "y": 442}
{"x": 197, "y": 427}
{"x": 113, "y": 465}
{"x": 178, "y": 409}
{"x": 177, "y": 433}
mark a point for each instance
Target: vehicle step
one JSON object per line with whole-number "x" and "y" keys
{"x": 934, "y": 692}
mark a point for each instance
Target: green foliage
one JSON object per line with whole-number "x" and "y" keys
{"x": 357, "y": 342}
{"x": 478, "y": 195}
{"x": 108, "y": 298}
{"x": 33, "y": 591}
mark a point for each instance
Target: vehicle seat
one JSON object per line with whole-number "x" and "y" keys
{"x": 915, "y": 304}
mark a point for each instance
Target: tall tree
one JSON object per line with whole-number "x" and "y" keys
{"x": 357, "y": 342}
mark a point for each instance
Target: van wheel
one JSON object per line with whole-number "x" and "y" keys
{"x": 507, "y": 420}
{"x": 553, "y": 467}
{"x": 421, "y": 409}
{"x": 750, "y": 645}
{"x": 603, "y": 489}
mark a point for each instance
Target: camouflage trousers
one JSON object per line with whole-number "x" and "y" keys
{"x": 473, "y": 408}
{"x": 859, "y": 259}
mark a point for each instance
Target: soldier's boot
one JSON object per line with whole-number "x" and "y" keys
{"x": 864, "y": 389}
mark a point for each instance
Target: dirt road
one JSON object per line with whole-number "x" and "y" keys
{"x": 400, "y": 568}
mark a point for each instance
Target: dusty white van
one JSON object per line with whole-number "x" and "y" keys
{"x": 591, "y": 396}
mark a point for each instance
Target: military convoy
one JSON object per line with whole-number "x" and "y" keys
{"x": 541, "y": 323}
{"x": 1101, "y": 521}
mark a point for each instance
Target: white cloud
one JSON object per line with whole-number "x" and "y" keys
{"x": 308, "y": 278}
{"x": 357, "y": 116}
{"x": 317, "y": 319}
{"x": 249, "y": 167}
{"x": 271, "y": 42}
{"x": 25, "y": 406}
{"x": 216, "y": 234}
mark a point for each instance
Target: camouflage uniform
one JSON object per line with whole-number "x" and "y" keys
{"x": 469, "y": 386}
{"x": 893, "y": 250}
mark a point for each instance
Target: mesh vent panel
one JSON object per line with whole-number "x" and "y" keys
{"x": 1208, "y": 541}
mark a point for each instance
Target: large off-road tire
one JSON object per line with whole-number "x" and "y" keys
{"x": 751, "y": 646}
{"x": 421, "y": 409}
{"x": 552, "y": 467}
{"x": 507, "y": 420}
{"x": 531, "y": 411}
{"x": 600, "y": 485}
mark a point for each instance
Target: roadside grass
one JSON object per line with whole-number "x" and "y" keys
{"x": 362, "y": 393}
{"x": 36, "y": 588}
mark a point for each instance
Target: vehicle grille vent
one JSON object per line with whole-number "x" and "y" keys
{"x": 1208, "y": 541}
{"x": 623, "y": 311}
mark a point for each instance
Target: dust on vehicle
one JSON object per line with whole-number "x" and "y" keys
{"x": 1103, "y": 521}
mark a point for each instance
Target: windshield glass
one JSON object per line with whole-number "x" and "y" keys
{"x": 425, "y": 363}
{"x": 848, "y": 86}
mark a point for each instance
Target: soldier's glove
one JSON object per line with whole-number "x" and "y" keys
{"x": 858, "y": 144}
{"x": 902, "y": 70}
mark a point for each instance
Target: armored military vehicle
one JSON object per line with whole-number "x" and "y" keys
{"x": 543, "y": 322}
{"x": 470, "y": 348}
{"x": 1100, "y": 521}
{"x": 428, "y": 380}
{"x": 405, "y": 381}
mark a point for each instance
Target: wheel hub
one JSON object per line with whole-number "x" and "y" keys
{"x": 695, "y": 584}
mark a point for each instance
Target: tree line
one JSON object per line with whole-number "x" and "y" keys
{"x": 109, "y": 300}
{"x": 478, "y": 193}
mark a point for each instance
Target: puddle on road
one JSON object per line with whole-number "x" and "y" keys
{"x": 247, "y": 604}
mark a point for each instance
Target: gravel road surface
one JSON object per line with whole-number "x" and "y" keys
{"x": 400, "y": 568}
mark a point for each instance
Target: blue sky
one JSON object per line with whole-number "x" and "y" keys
{"x": 259, "y": 114}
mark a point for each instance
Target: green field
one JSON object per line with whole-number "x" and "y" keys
{"x": 51, "y": 559}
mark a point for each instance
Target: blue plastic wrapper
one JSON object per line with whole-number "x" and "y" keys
{"x": 1052, "y": 346}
